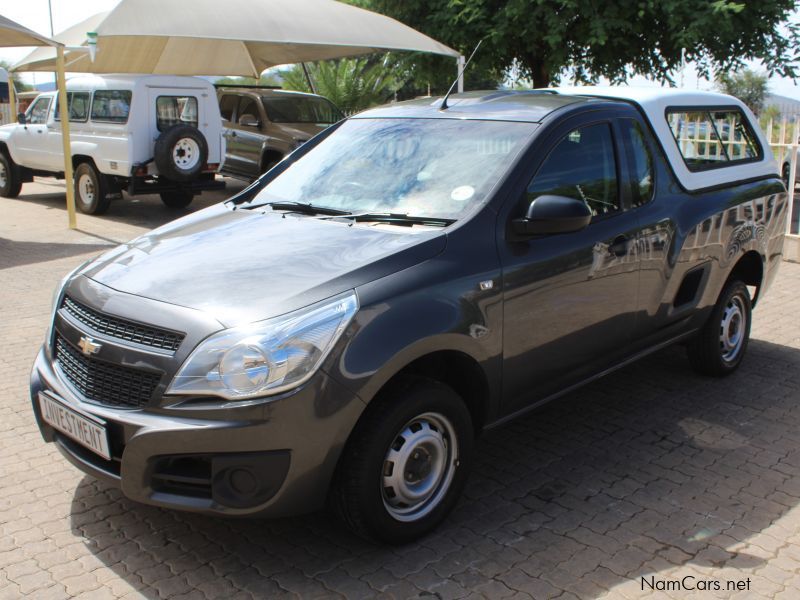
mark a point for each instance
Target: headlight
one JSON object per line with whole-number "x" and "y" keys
{"x": 267, "y": 357}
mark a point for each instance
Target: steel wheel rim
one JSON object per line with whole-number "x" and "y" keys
{"x": 186, "y": 153}
{"x": 732, "y": 329}
{"x": 86, "y": 189}
{"x": 3, "y": 175}
{"x": 419, "y": 467}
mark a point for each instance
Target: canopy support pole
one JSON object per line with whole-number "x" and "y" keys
{"x": 12, "y": 98}
{"x": 460, "y": 62}
{"x": 308, "y": 79}
{"x": 61, "y": 83}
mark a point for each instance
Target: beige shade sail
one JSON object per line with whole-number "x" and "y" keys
{"x": 230, "y": 37}
{"x": 14, "y": 34}
{"x": 74, "y": 36}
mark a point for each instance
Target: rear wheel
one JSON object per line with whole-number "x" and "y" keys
{"x": 91, "y": 190}
{"x": 720, "y": 346}
{"x": 406, "y": 463}
{"x": 10, "y": 180}
{"x": 177, "y": 200}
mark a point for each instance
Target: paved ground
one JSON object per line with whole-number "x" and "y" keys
{"x": 651, "y": 473}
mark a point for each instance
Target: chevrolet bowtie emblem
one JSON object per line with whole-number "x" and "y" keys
{"x": 88, "y": 346}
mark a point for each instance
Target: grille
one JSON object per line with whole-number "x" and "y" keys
{"x": 122, "y": 329}
{"x": 102, "y": 382}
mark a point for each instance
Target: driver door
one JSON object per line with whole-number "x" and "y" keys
{"x": 570, "y": 299}
{"x": 31, "y": 139}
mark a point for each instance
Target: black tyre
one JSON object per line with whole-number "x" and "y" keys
{"x": 91, "y": 190}
{"x": 177, "y": 200}
{"x": 406, "y": 462}
{"x": 180, "y": 153}
{"x": 720, "y": 346}
{"x": 10, "y": 179}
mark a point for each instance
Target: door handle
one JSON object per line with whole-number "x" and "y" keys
{"x": 619, "y": 247}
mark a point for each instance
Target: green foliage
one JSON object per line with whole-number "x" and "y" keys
{"x": 548, "y": 39}
{"x": 351, "y": 84}
{"x": 747, "y": 85}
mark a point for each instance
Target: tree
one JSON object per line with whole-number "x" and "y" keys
{"x": 351, "y": 84}
{"x": 547, "y": 38}
{"x": 747, "y": 85}
{"x": 19, "y": 86}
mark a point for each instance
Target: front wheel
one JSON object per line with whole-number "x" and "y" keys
{"x": 719, "y": 347}
{"x": 91, "y": 190}
{"x": 177, "y": 200}
{"x": 10, "y": 180}
{"x": 406, "y": 463}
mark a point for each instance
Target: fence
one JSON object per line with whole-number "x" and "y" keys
{"x": 784, "y": 139}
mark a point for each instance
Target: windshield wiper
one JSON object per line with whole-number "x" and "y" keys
{"x": 400, "y": 219}
{"x": 305, "y": 208}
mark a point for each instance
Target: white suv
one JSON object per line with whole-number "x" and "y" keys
{"x": 144, "y": 134}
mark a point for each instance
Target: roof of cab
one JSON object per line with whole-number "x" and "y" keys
{"x": 131, "y": 82}
{"x": 528, "y": 106}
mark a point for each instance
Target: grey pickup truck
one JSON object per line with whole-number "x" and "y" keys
{"x": 341, "y": 330}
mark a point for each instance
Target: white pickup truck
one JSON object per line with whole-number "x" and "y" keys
{"x": 144, "y": 134}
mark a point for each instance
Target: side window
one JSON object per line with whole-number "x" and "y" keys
{"x": 227, "y": 104}
{"x": 78, "y": 106}
{"x": 37, "y": 113}
{"x": 641, "y": 161}
{"x": 112, "y": 106}
{"x": 712, "y": 139}
{"x": 581, "y": 166}
{"x": 175, "y": 110}
{"x": 248, "y": 112}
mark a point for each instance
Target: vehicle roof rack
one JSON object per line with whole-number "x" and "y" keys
{"x": 242, "y": 85}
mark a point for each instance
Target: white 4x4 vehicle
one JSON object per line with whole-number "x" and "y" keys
{"x": 145, "y": 134}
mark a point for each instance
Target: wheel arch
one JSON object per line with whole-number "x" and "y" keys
{"x": 750, "y": 270}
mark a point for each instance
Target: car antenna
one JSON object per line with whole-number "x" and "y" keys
{"x": 464, "y": 68}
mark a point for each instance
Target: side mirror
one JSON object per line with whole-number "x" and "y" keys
{"x": 553, "y": 214}
{"x": 21, "y": 118}
{"x": 248, "y": 121}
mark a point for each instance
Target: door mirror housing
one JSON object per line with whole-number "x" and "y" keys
{"x": 21, "y": 118}
{"x": 249, "y": 121}
{"x": 551, "y": 214}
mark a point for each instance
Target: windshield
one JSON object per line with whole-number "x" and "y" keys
{"x": 426, "y": 167}
{"x": 301, "y": 109}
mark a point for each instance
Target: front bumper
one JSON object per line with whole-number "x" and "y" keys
{"x": 260, "y": 458}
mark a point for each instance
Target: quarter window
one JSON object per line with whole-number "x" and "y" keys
{"x": 227, "y": 104}
{"x": 112, "y": 106}
{"x": 37, "y": 113}
{"x": 175, "y": 110}
{"x": 581, "y": 166}
{"x": 78, "y": 103}
{"x": 711, "y": 139}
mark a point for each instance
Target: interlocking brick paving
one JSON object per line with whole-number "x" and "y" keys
{"x": 652, "y": 472}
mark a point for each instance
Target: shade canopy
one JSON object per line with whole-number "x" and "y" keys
{"x": 234, "y": 37}
{"x": 14, "y": 34}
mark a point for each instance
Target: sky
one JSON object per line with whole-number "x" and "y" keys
{"x": 34, "y": 15}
